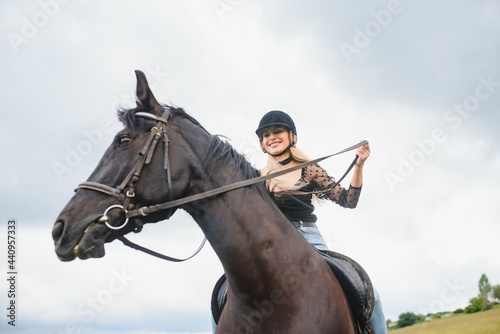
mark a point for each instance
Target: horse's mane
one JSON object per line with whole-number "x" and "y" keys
{"x": 221, "y": 153}
{"x": 218, "y": 152}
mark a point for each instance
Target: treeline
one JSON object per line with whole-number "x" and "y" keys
{"x": 488, "y": 296}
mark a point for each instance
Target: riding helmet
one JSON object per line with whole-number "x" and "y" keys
{"x": 275, "y": 118}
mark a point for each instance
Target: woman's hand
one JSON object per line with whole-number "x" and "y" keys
{"x": 363, "y": 153}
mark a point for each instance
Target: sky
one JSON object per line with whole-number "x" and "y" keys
{"x": 419, "y": 80}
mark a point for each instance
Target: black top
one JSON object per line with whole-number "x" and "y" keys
{"x": 297, "y": 204}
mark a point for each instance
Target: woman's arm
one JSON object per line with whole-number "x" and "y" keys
{"x": 320, "y": 180}
{"x": 347, "y": 198}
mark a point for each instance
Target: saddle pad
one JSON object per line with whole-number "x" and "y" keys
{"x": 357, "y": 286}
{"x": 219, "y": 297}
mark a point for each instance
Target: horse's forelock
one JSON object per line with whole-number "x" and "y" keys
{"x": 127, "y": 117}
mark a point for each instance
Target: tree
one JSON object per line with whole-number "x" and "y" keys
{"x": 484, "y": 291}
{"x": 407, "y": 319}
{"x": 496, "y": 293}
{"x": 476, "y": 304}
{"x": 484, "y": 287}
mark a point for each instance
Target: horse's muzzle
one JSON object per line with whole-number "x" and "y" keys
{"x": 85, "y": 244}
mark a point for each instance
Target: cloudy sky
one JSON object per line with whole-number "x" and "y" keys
{"x": 420, "y": 80}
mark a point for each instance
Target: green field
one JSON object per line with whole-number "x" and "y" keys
{"x": 487, "y": 322}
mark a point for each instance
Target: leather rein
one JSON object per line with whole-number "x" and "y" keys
{"x": 145, "y": 155}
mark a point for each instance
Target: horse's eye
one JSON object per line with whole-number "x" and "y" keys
{"x": 124, "y": 140}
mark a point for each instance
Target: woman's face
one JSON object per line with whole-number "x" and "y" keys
{"x": 275, "y": 140}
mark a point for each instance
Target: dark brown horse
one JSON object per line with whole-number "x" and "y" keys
{"x": 278, "y": 282}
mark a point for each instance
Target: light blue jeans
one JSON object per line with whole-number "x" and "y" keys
{"x": 314, "y": 237}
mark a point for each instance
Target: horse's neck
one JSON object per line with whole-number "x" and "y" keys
{"x": 252, "y": 238}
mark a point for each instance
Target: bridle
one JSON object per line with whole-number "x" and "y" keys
{"x": 130, "y": 182}
{"x": 126, "y": 190}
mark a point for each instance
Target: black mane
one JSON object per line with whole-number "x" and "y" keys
{"x": 221, "y": 153}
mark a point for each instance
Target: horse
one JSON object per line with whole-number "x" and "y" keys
{"x": 278, "y": 283}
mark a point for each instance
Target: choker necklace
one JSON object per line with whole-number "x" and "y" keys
{"x": 286, "y": 161}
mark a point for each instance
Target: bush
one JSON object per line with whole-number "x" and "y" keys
{"x": 407, "y": 319}
{"x": 476, "y": 304}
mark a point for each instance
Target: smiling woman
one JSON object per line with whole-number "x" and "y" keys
{"x": 294, "y": 192}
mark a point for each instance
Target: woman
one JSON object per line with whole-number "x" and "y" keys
{"x": 294, "y": 191}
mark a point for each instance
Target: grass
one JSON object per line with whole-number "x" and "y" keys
{"x": 487, "y": 322}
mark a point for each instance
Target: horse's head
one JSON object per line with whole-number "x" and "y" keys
{"x": 135, "y": 171}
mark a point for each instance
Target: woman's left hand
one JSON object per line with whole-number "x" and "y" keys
{"x": 363, "y": 153}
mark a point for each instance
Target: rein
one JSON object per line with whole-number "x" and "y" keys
{"x": 146, "y": 154}
{"x": 146, "y": 210}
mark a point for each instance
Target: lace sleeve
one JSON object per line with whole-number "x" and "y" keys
{"x": 319, "y": 179}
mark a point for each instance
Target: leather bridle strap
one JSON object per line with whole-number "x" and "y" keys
{"x": 346, "y": 172}
{"x": 145, "y": 156}
{"x": 146, "y": 210}
{"x": 103, "y": 189}
{"x": 154, "y": 208}
{"x": 135, "y": 246}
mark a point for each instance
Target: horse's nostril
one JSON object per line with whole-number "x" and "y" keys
{"x": 57, "y": 230}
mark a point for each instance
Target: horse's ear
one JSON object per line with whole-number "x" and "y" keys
{"x": 145, "y": 96}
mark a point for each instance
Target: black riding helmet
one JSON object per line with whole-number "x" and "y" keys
{"x": 275, "y": 118}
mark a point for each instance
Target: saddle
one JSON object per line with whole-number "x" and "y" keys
{"x": 351, "y": 276}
